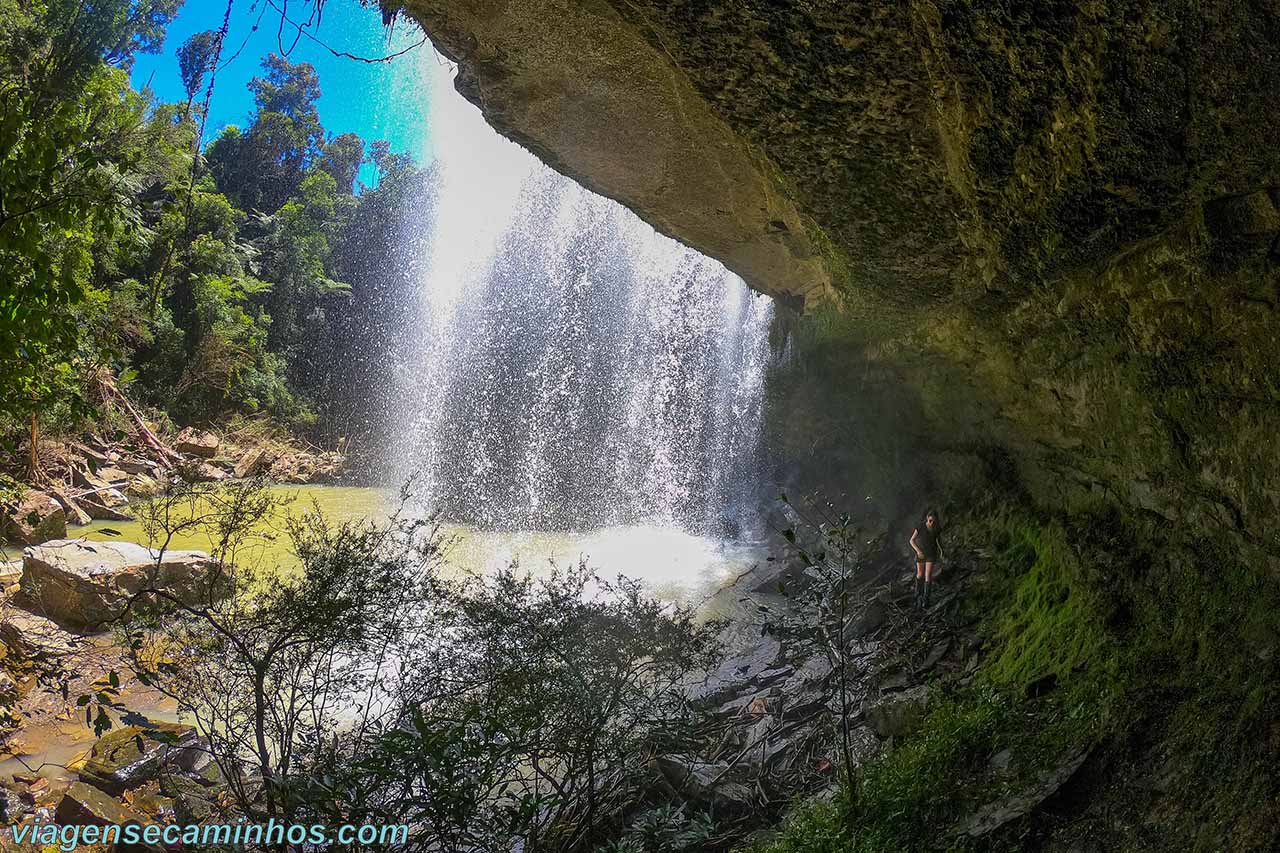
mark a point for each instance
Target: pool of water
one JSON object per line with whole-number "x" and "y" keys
{"x": 674, "y": 564}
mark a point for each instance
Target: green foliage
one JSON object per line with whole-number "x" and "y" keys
{"x": 71, "y": 138}
{"x": 898, "y": 805}
{"x": 195, "y": 59}
{"x": 815, "y": 826}
{"x": 341, "y": 158}
{"x": 665, "y": 829}
{"x": 534, "y": 717}
{"x": 124, "y": 250}
{"x": 262, "y": 167}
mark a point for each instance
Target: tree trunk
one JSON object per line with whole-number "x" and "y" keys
{"x": 33, "y": 452}
{"x": 167, "y": 456}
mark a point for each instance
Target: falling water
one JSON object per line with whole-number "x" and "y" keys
{"x": 573, "y": 369}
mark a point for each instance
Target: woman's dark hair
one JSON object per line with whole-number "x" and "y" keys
{"x": 934, "y": 513}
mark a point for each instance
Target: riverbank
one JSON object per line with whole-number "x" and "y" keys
{"x": 93, "y": 476}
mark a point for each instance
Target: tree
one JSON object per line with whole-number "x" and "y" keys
{"x": 288, "y": 88}
{"x": 262, "y": 167}
{"x": 831, "y": 548}
{"x": 534, "y": 718}
{"x": 195, "y": 59}
{"x": 342, "y": 157}
{"x": 275, "y": 658}
{"x": 69, "y": 137}
{"x": 295, "y": 255}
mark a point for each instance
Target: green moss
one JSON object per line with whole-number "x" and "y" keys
{"x": 898, "y": 803}
{"x": 898, "y": 806}
{"x": 813, "y": 826}
{"x": 915, "y": 794}
{"x": 1052, "y": 622}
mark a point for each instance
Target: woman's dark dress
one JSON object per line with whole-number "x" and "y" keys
{"x": 928, "y": 542}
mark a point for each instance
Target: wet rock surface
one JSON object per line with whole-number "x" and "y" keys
{"x": 134, "y": 755}
{"x": 777, "y": 698}
{"x": 898, "y": 713}
{"x": 995, "y": 815}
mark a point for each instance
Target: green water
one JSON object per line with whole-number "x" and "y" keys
{"x": 337, "y": 503}
{"x": 674, "y": 564}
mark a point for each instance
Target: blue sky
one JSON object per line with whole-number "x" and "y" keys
{"x": 385, "y": 100}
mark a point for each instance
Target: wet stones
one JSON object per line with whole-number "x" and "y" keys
{"x": 872, "y": 618}
{"x": 709, "y": 782}
{"x": 127, "y": 758}
{"x": 755, "y": 666}
{"x": 994, "y": 815}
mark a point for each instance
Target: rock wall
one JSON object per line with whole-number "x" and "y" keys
{"x": 571, "y": 81}
{"x": 1053, "y": 225}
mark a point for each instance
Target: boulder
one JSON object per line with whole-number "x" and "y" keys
{"x": 143, "y": 486}
{"x": 10, "y": 572}
{"x": 897, "y": 714}
{"x": 95, "y": 455}
{"x": 206, "y": 473}
{"x": 75, "y": 513}
{"x": 193, "y": 800}
{"x": 129, "y": 757}
{"x": 872, "y": 617}
{"x": 114, "y": 511}
{"x": 35, "y": 636}
{"x": 256, "y": 461}
{"x": 783, "y": 576}
{"x": 741, "y": 672}
{"x": 113, "y": 498}
{"x": 136, "y": 466}
{"x": 84, "y": 805}
{"x": 936, "y": 654}
{"x": 808, "y": 689}
{"x": 102, "y": 478}
{"x": 37, "y": 518}
{"x": 86, "y": 584}
{"x": 994, "y": 815}
{"x": 194, "y": 442}
{"x": 1252, "y": 215}
{"x": 705, "y": 781}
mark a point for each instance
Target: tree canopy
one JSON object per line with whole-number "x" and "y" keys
{"x": 213, "y": 283}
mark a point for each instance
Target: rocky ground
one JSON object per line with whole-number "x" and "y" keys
{"x": 90, "y": 477}
{"x": 778, "y": 699}
{"x": 56, "y": 656}
{"x": 774, "y": 703}
{"x": 58, "y": 595}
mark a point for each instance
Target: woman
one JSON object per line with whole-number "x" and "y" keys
{"x": 926, "y": 541}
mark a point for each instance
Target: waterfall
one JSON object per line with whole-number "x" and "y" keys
{"x": 570, "y": 367}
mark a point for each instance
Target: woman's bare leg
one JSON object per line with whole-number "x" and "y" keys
{"x": 928, "y": 572}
